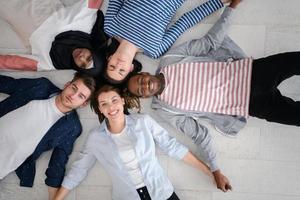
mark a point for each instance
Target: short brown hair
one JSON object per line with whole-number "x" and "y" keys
{"x": 87, "y": 80}
{"x": 130, "y": 100}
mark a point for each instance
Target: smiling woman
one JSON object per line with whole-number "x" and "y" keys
{"x": 125, "y": 146}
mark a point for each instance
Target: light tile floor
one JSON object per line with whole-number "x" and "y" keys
{"x": 262, "y": 163}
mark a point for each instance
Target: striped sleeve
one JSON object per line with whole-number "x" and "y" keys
{"x": 113, "y": 8}
{"x": 185, "y": 22}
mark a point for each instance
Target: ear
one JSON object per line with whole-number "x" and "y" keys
{"x": 123, "y": 101}
{"x": 131, "y": 67}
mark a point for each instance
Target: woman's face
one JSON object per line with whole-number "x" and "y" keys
{"x": 118, "y": 67}
{"x": 111, "y": 105}
{"x": 83, "y": 58}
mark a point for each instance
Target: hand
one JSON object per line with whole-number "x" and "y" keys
{"x": 234, "y": 3}
{"x": 222, "y": 181}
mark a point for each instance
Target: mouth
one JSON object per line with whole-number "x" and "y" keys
{"x": 113, "y": 113}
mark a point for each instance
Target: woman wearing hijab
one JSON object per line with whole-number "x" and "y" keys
{"x": 73, "y": 48}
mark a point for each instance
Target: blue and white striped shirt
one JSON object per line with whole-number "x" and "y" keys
{"x": 144, "y": 22}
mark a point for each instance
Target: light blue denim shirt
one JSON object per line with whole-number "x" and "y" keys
{"x": 144, "y": 133}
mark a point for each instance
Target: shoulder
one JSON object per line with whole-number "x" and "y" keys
{"x": 72, "y": 121}
{"x": 138, "y": 117}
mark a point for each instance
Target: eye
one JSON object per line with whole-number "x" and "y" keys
{"x": 81, "y": 97}
{"x": 111, "y": 67}
{"x": 115, "y": 100}
{"x": 102, "y": 105}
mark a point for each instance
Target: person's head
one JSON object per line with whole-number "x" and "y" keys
{"x": 144, "y": 85}
{"x": 78, "y": 51}
{"x": 119, "y": 66}
{"x": 83, "y": 58}
{"x": 77, "y": 92}
{"x": 110, "y": 103}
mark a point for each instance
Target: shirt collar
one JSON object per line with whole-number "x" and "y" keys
{"x": 129, "y": 122}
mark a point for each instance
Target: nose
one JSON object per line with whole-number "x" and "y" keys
{"x": 84, "y": 60}
{"x": 72, "y": 96}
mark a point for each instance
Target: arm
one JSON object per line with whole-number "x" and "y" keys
{"x": 52, "y": 192}
{"x": 192, "y": 160}
{"x": 22, "y": 91}
{"x": 167, "y": 143}
{"x": 199, "y": 134}
{"x": 62, "y": 193}
{"x": 194, "y": 130}
{"x": 14, "y": 62}
{"x": 185, "y": 22}
{"x": 96, "y": 4}
{"x": 113, "y": 8}
{"x": 78, "y": 171}
{"x": 211, "y": 41}
{"x": 60, "y": 155}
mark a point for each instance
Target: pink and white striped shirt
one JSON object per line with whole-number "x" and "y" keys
{"x": 217, "y": 87}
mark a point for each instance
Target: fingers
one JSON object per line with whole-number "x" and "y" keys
{"x": 225, "y": 187}
{"x": 228, "y": 187}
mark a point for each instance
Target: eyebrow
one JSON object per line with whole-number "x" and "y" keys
{"x": 77, "y": 90}
{"x": 111, "y": 98}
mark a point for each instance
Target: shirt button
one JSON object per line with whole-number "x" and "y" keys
{"x": 141, "y": 191}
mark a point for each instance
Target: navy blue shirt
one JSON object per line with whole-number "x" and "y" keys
{"x": 60, "y": 137}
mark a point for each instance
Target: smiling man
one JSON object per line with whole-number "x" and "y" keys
{"x": 212, "y": 79}
{"x": 177, "y": 89}
{"x": 36, "y": 117}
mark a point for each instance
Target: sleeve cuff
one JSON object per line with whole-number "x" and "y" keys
{"x": 182, "y": 152}
{"x": 53, "y": 182}
{"x": 213, "y": 166}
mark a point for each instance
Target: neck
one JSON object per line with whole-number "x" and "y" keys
{"x": 127, "y": 48}
{"x": 60, "y": 106}
{"x": 117, "y": 125}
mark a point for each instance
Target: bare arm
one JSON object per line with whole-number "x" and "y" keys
{"x": 221, "y": 180}
{"x": 52, "y": 192}
{"x": 96, "y": 4}
{"x": 192, "y": 160}
{"x": 16, "y": 62}
{"x": 61, "y": 193}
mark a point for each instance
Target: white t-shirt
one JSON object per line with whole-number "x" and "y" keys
{"x": 22, "y": 130}
{"x": 128, "y": 156}
{"x": 77, "y": 17}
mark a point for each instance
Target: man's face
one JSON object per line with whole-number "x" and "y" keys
{"x": 144, "y": 85}
{"x": 83, "y": 58}
{"x": 119, "y": 66}
{"x": 75, "y": 94}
